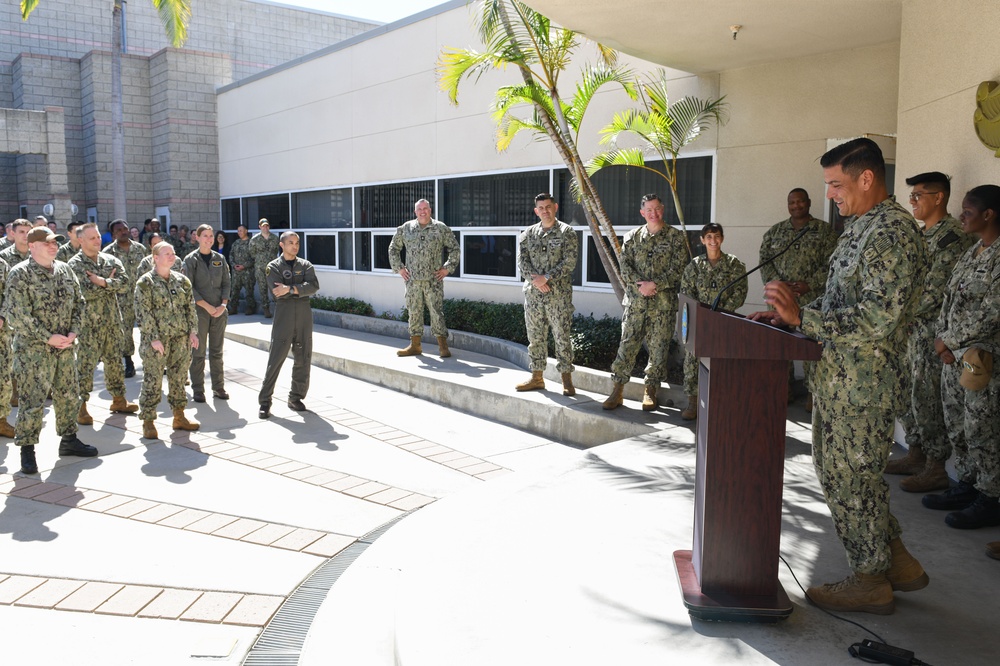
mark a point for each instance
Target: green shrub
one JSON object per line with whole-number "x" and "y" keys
{"x": 595, "y": 341}
{"x": 343, "y": 304}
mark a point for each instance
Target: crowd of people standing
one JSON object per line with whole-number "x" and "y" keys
{"x": 68, "y": 305}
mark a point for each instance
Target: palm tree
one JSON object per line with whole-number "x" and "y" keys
{"x": 516, "y": 35}
{"x": 174, "y": 15}
{"x": 664, "y": 128}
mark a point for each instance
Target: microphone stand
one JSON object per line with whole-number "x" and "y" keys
{"x": 715, "y": 303}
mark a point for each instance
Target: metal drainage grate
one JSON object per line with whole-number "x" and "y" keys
{"x": 280, "y": 644}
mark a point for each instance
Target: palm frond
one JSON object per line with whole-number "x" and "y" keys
{"x": 629, "y": 121}
{"x": 175, "y": 16}
{"x": 608, "y": 55}
{"x": 592, "y": 80}
{"x": 453, "y": 65}
{"x": 616, "y": 157}
{"x": 27, "y": 6}
{"x": 691, "y": 116}
{"x": 531, "y": 94}
{"x": 510, "y": 126}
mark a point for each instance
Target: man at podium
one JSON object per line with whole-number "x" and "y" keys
{"x": 871, "y": 292}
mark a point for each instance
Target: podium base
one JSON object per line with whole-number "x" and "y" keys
{"x": 721, "y": 607}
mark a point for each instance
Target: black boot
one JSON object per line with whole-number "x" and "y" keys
{"x": 983, "y": 512}
{"x": 129, "y": 367}
{"x": 72, "y": 446}
{"x": 955, "y": 498}
{"x": 28, "y": 464}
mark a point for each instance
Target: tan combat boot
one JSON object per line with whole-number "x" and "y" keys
{"x": 568, "y": 388}
{"x": 120, "y": 405}
{"x": 83, "y": 417}
{"x": 932, "y": 477}
{"x": 443, "y": 350}
{"x": 905, "y": 574}
{"x": 149, "y": 430}
{"x": 649, "y": 401}
{"x": 181, "y": 422}
{"x": 6, "y": 429}
{"x": 912, "y": 463}
{"x": 536, "y": 382}
{"x": 414, "y": 348}
{"x": 690, "y": 412}
{"x": 862, "y": 593}
{"x": 615, "y": 399}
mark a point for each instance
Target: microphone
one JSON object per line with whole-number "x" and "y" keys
{"x": 715, "y": 303}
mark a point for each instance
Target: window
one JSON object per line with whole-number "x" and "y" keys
{"x": 381, "y": 244}
{"x": 230, "y": 215}
{"x": 363, "y": 251}
{"x": 345, "y": 255}
{"x": 495, "y": 200}
{"x": 622, "y": 188}
{"x": 321, "y": 249}
{"x": 489, "y": 255}
{"x": 595, "y": 269}
{"x": 274, "y": 207}
{"x": 388, "y": 206}
{"x": 325, "y": 209}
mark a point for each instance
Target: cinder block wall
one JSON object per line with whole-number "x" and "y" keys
{"x": 61, "y": 57}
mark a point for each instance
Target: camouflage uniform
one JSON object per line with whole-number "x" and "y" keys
{"x": 242, "y": 280}
{"x": 186, "y": 247}
{"x": 923, "y": 418}
{"x": 67, "y": 252}
{"x": 12, "y": 257}
{"x": 660, "y": 258}
{"x": 146, "y": 265}
{"x": 970, "y": 317}
{"x": 164, "y": 311}
{"x": 808, "y": 261}
{"x": 551, "y": 252}
{"x": 102, "y": 335}
{"x": 6, "y": 355}
{"x": 873, "y": 288}
{"x": 5, "y": 243}
{"x": 702, "y": 280}
{"x": 38, "y": 304}
{"x": 292, "y": 329}
{"x": 209, "y": 283}
{"x": 424, "y": 248}
{"x": 130, "y": 259}
{"x": 264, "y": 251}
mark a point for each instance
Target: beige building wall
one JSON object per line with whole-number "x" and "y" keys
{"x": 783, "y": 113}
{"x": 944, "y": 55}
{"x": 372, "y": 112}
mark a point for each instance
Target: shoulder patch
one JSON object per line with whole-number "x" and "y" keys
{"x": 948, "y": 239}
{"x": 878, "y": 248}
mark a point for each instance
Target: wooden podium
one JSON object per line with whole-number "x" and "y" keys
{"x": 731, "y": 573}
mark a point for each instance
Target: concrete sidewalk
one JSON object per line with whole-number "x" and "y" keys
{"x": 504, "y": 545}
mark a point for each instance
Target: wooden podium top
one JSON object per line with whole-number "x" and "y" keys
{"x": 720, "y": 334}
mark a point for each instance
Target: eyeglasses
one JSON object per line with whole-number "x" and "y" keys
{"x": 915, "y": 196}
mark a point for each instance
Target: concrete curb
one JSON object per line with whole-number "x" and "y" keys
{"x": 578, "y": 420}
{"x": 583, "y": 378}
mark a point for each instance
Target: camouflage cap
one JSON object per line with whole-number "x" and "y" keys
{"x": 44, "y": 234}
{"x": 977, "y": 369}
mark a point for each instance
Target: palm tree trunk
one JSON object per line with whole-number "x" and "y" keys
{"x": 117, "y": 116}
{"x": 567, "y": 151}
